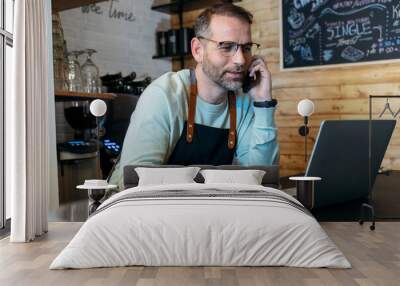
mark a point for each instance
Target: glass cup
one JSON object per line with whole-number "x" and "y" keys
{"x": 90, "y": 74}
{"x": 74, "y": 78}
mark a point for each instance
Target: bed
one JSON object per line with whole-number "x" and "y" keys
{"x": 201, "y": 224}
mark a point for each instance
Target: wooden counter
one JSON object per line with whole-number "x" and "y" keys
{"x": 63, "y": 95}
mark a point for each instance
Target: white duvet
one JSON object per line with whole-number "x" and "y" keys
{"x": 200, "y": 231}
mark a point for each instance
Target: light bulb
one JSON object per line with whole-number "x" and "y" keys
{"x": 98, "y": 107}
{"x": 305, "y": 107}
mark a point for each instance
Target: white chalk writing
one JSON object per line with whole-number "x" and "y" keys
{"x": 300, "y": 3}
{"x": 350, "y": 28}
{"x": 396, "y": 11}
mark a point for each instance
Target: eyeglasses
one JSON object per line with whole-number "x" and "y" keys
{"x": 229, "y": 49}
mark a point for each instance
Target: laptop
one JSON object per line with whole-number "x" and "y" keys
{"x": 340, "y": 158}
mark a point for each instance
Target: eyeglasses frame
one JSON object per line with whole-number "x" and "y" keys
{"x": 219, "y": 44}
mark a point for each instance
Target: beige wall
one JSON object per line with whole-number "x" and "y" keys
{"x": 338, "y": 93}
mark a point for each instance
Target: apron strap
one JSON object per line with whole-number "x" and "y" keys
{"x": 192, "y": 113}
{"x": 192, "y": 107}
{"x": 232, "y": 117}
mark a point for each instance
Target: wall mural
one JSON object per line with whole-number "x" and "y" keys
{"x": 324, "y": 32}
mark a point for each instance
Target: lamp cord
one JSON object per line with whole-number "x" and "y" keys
{"x": 98, "y": 173}
{"x": 305, "y": 138}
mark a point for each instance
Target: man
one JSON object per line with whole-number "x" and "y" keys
{"x": 203, "y": 116}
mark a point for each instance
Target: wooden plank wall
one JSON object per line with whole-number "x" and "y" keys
{"x": 338, "y": 93}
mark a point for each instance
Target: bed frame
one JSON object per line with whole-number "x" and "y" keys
{"x": 270, "y": 179}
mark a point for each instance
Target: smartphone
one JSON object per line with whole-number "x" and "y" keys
{"x": 250, "y": 81}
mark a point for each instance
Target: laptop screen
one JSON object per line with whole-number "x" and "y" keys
{"x": 341, "y": 158}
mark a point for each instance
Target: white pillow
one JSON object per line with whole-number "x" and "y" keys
{"x": 165, "y": 176}
{"x": 248, "y": 177}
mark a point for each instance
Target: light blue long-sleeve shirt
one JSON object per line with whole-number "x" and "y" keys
{"x": 157, "y": 122}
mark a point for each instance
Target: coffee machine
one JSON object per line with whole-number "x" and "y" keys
{"x": 83, "y": 145}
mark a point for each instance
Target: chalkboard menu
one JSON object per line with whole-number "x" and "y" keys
{"x": 329, "y": 32}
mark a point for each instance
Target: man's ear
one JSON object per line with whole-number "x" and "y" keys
{"x": 197, "y": 50}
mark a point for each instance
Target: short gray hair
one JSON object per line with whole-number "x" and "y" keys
{"x": 202, "y": 22}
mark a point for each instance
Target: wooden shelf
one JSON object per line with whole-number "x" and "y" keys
{"x": 177, "y": 6}
{"x": 61, "y": 5}
{"x": 174, "y": 57}
{"x": 64, "y": 95}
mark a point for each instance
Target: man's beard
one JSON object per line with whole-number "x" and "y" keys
{"x": 219, "y": 75}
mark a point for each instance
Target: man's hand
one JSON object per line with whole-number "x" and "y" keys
{"x": 260, "y": 90}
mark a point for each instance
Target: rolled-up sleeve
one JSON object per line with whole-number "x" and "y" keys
{"x": 258, "y": 138}
{"x": 148, "y": 135}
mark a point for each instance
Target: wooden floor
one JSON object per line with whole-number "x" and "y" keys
{"x": 375, "y": 256}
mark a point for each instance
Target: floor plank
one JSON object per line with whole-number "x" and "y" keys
{"x": 375, "y": 257}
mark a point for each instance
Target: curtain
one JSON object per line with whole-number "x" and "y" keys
{"x": 29, "y": 131}
{"x": 53, "y": 174}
